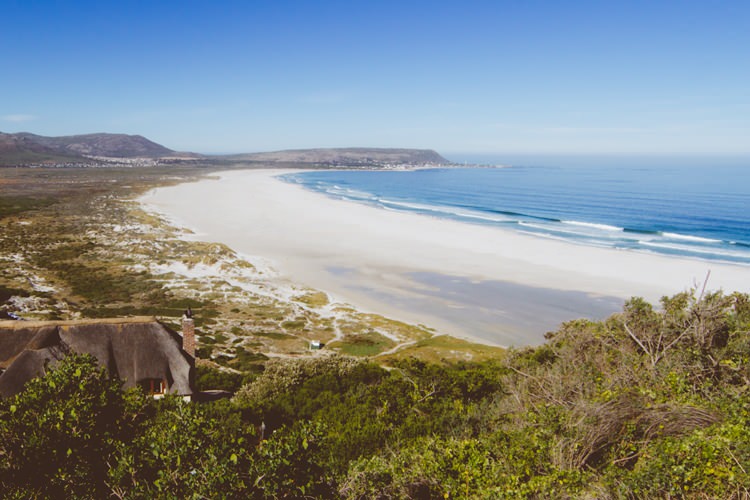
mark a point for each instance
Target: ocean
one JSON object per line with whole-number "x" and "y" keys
{"x": 696, "y": 208}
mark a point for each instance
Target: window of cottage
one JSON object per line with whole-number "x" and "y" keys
{"x": 153, "y": 386}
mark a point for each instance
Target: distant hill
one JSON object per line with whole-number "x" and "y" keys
{"x": 106, "y": 149}
{"x": 346, "y": 156}
{"x": 24, "y": 147}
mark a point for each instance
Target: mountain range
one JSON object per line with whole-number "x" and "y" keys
{"x": 25, "y": 148}
{"x": 30, "y": 149}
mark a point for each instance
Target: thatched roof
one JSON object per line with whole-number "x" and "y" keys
{"x": 133, "y": 349}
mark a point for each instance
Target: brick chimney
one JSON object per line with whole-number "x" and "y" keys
{"x": 188, "y": 335}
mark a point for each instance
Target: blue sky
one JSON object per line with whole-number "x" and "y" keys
{"x": 484, "y": 77}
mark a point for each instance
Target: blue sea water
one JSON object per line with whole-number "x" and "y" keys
{"x": 698, "y": 209}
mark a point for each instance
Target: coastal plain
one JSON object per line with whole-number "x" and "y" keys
{"x": 75, "y": 243}
{"x": 490, "y": 285}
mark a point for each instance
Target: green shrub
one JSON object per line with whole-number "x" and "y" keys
{"x": 58, "y": 436}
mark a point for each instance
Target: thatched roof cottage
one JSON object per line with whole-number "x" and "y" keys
{"x": 140, "y": 351}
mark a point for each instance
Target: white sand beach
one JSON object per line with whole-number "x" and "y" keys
{"x": 423, "y": 269}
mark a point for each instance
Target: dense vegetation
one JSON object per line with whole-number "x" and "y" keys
{"x": 647, "y": 404}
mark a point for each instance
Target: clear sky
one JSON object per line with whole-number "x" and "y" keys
{"x": 542, "y": 77}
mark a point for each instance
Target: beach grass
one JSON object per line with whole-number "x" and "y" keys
{"x": 445, "y": 349}
{"x": 366, "y": 344}
{"x": 313, "y": 299}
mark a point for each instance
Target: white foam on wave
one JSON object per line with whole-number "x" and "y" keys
{"x": 593, "y": 225}
{"x": 349, "y": 193}
{"x": 589, "y": 242}
{"x": 415, "y": 206}
{"x": 693, "y": 249}
{"x": 559, "y": 228}
{"x": 446, "y": 210}
{"x": 686, "y": 237}
{"x": 535, "y": 226}
{"x": 547, "y": 236}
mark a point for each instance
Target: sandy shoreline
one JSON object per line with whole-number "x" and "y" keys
{"x": 491, "y": 284}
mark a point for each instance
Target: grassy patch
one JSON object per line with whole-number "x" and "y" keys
{"x": 313, "y": 299}
{"x": 365, "y": 344}
{"x": 404, "y": 331}
{"x": 274, "y": 335}
{"x": 167, "y": 310}
{"x": 196, "y": 252}
{"x": 12, "y": 205}
{"x": 443, "y": 348}
{"x": 297, "y": 324}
